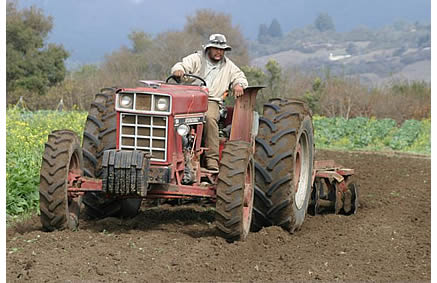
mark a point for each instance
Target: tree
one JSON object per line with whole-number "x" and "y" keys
{"x": 170, "y": 48}
{"x": 313, "y": 96}
{"x": 31, "y": 64}
{"x": 266, "y": 34}
{"x": 141, "y": 41}
{"x": 206, "y": 22}
{"x": 352, "y": 49}
{"x": 152, "y": 58}
{"x": 275, "y": 29}
{"x": 324, "y": 23}
{"x": 424, "y": 41}
{"x": 256, "y": 77}
{"x": 263, "y": 33}
{"x": 274, "y": 74}
{"x": 402, "y": 25}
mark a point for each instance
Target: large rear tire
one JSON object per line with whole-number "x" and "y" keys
{"x": 235, "y": 190}
{"x": 100, "y": 135}
{"x": 284, "y": 160}
{"x": 62, "y": 155}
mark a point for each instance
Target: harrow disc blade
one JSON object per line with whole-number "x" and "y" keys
{"x": 329, "y": 196}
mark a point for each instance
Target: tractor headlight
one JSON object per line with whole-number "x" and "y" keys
{"x": 183, "y": 130}
{"x": 126, "y": 101}
{"x": 161, "y": 103}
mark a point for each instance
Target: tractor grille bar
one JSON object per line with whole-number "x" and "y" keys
{"x": 144, "y": 132}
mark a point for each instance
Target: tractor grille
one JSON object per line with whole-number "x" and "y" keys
{"x": 144, "y": 132}
{"x": 143, "y": 101}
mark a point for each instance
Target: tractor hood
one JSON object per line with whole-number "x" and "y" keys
{"x": 185, "y": 99}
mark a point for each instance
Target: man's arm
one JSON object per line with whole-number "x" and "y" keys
{"x": 189, "y": 65}
{"x": 238, "y": 80}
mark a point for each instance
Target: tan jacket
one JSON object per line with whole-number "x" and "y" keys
{"x": 229, "y": 74}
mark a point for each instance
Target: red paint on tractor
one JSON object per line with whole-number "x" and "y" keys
{"x": 242, "y": 118}
{"x": 78, "y": 183}
{"x": 170, "y": 191}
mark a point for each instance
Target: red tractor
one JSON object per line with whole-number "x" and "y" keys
{"x": 146, "y": 142}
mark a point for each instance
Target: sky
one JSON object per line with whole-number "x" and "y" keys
{"x": 89, "y": 29}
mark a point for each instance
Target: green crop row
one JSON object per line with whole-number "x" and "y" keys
{"x": 27, "y": 132}
{"x": 370, "y": 134}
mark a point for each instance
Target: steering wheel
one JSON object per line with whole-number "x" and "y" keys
{"x": 178, "y": 80}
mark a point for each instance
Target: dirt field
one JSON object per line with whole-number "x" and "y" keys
{"x": 388, "y": 240}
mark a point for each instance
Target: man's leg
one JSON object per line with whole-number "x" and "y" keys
{"x": 212, "y": 135}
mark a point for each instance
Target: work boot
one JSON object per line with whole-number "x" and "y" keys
{"x": 212, "y": 165}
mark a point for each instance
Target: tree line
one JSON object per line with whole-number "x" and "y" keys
{"x": 36, "y": 70}
{"x": 266, "y": 34}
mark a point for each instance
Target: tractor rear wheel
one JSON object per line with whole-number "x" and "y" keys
{"x": 284, "y": 160}
{"x": 100, "y": 135}
{"x": 62, "y": 155}
{"x": 235, "y": 190}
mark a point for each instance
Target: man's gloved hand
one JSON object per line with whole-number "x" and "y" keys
{"x": 238, "y": 90}
{"x": 178, "y": 73}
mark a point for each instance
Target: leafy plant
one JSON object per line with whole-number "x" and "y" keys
{"x": 372, "y": 134}
{"x": 406, "y": 135}
{"x": 26, "y": 133}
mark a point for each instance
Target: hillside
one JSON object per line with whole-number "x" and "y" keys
{"x": 398, "y": 52}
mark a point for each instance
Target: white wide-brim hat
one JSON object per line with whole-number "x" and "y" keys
{"x": 217, "y": 40}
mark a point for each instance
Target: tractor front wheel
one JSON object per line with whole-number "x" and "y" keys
{"x": 235, "y": 190}
{"x": 62, "y": 155}
{"x": 100, "y": 135}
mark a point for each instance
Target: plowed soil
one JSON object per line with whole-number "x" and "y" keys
{"x": 389, "y": 239}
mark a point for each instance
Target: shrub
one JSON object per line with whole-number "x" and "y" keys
{"x": 26, "y": 133}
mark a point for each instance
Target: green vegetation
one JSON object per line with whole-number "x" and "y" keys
{"x": 322, "y": 35}
{"x": 142, "y": 57}
{"x": 32, "y": 65}
{"x": 338, "y": 96}
{"x": 370, "y": 134}
{"x": 376, "y": 56}
{"x": 266, "y": 34}
{"x": 324, "y": 22}
{"x": 27, "y": 132}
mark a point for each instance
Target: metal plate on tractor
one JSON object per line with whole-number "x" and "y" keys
{"x": 125, "y": 172}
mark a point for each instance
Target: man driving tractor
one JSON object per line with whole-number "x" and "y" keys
{"x": 144, "y": 142}
{"x": 220, "y": 74}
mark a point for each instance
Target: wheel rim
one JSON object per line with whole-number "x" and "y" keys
{"x": 74, "y": 166}
{"x": 355, "y": 197}
{"x": 301, "y": 170}
{"x": 73, "y": 201}
{"x": 248, "y": 195}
